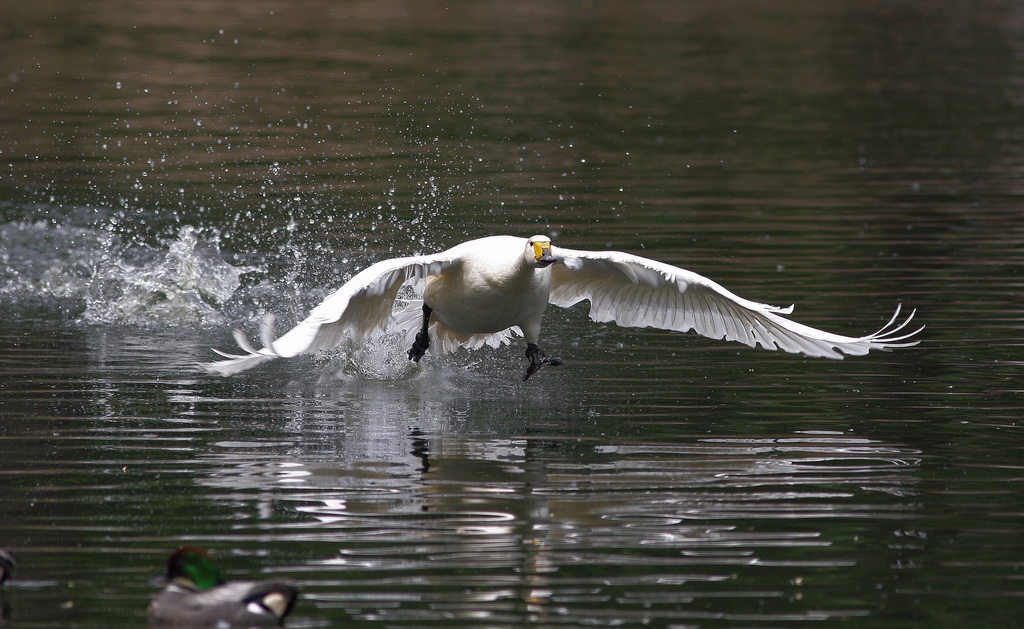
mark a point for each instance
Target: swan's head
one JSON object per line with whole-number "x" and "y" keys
{"x": 538, "y": 252}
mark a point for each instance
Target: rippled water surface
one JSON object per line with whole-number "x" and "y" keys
{"x": 169, "y": 172}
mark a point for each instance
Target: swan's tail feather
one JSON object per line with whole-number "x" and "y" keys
{"x": 408, "y": 321}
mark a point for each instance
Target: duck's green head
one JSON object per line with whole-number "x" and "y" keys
{"x": 192, "y": 567}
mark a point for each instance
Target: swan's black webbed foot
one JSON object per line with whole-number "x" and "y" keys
{"x": 419, "y": 347}
{"x": 537, "y": 360}
{"x": 422, "y": 342}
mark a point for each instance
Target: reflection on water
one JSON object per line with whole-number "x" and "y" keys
{"x": 509, "y": 527}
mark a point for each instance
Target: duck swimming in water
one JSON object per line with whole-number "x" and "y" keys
{"x": 7, "y": 565}
{"x": 197, "y": 596}
{"x": 488, "y": 290}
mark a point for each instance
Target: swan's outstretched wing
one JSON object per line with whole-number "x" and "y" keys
{"x": 358, "y": 308}
{"x": 636, "y": 292}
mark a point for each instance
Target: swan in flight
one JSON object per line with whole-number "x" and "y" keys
{"x": 487, "y": 291}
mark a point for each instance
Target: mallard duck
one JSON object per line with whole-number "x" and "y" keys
{"x": 195, "y": 594}
{"x": 486, "y": 291}
{"x": 7, "y": 565}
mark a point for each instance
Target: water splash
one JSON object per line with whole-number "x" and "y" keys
{"x": 381, "y": 356}
{"x": 188, "y": 284}
{"x": 94, "y": 276}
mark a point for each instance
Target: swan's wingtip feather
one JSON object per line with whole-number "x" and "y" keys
{"x": 267, "y": 332}
{"x": 242, "y": 341}
{"x": 234, "y": 364}
{"x": 892, "y": 335}
{"x": 237, "y": 363}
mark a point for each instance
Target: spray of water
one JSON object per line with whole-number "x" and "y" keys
{"x": 98, "y": 279}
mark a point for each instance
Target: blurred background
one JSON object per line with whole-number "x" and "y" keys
{"x": 172, "y": 170}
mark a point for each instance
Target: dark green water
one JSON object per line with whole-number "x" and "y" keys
{"x": 170, "y": 171}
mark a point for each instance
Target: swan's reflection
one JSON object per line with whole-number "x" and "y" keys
{"x": 443, "y": 505}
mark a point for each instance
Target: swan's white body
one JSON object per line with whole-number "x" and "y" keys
{"x": 484, "y": 291}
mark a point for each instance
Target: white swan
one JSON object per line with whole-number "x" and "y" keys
{"x": 484, "y": 291}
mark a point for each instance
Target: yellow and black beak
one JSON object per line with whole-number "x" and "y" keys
{"x": 542, "y": 251}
